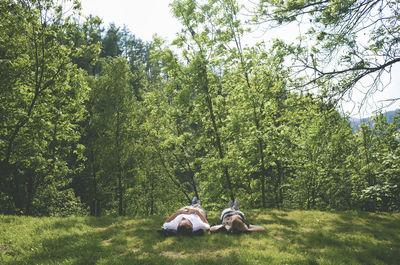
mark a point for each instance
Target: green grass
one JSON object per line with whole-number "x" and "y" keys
{"x": 291, "y": 237}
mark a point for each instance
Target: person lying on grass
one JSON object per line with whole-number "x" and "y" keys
{"x": 233, "y": 221}
{"x": 187, "y": 220}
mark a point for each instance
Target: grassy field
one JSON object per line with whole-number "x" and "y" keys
{"x": 291, "y": 237}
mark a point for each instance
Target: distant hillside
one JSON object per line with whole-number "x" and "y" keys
{"x": 355, "y": 122}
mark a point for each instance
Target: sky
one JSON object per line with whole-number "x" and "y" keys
{"x": 144, "y": 18}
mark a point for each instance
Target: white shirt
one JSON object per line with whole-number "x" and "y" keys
{"x": 193, "y": 218}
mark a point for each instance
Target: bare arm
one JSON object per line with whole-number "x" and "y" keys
{"x": 215, "y": 228}
{"x": 256, "y": 228}
{"x": 172, "y": 217}
{"x": 201, "y": 216}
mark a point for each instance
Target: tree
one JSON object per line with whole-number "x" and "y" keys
{"x": 111, "y": 42}
{"x": 87, "y": 37}
{"x": 198, "y": 38}
{"x": 41, "y": 104}
{"x": 97, "y": 182}
{"x": 112, "y": 114}
{"x": 325, "y": 142}
{"x": 351, "y": 41}
{"x": 376, "y": 165}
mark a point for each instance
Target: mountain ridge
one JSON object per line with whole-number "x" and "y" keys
{"x": 355, "y": 122}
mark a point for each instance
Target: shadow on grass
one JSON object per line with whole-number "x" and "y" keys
{"x": 64, "y": 241}
{"x": 345, "y": 238}
{"x": 110, "y": 240}
{"x": 297, "y": 237}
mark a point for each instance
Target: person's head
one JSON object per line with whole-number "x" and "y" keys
{"x": 185, "y": 227}
{"x": 236, "y": 224}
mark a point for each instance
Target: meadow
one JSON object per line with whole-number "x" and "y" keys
{"x": 290, "y": 237}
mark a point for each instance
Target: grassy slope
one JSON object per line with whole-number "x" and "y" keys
{"x": 291, "y": 237}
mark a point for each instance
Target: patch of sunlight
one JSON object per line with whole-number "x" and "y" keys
{"x": 221, "y": 253}
{"x": 101, "y": 229}
{"x": 134, "y": 244}
{"x": 106, "y": 243}
{"x": 165, "y": 244}
{"x": 306, "y": 230}
{"x": 171, "y": 254}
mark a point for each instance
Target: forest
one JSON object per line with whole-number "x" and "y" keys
{"x": 95, "y": 121}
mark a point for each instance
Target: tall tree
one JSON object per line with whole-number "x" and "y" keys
{"x": 198, "y": 38}
{"x": 41, "y": 103}
{"x": 376, "y": 164}
{"x": 111, "y": 42}
{"x": 350, "y": 41}
{"x": 112, "y": 114}
{"x": 325, "y": 142}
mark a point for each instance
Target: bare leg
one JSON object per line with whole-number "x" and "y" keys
{"x": 236, "y": 204}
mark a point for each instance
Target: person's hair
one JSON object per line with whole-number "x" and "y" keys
{"x": 184, "y": 229}
{"x": 238, "y": 225}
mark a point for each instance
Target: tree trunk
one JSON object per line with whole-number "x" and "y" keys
{"x": 204, "y": 86}
{"x": 95, "y": 210}
{"x": 152, "y": 197}
{"x": 119, "y": 167}
{"x": 278, "y": 191}
{"x": 28, "y": 210}
{"x": 177, "y": 183}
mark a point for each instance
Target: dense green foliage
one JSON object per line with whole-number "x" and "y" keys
{"x": 94, "y": 120}
{"x": 291, "y": 237}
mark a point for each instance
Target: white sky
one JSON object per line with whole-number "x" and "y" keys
{"x": 144, "y": 18}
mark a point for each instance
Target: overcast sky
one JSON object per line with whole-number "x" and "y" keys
{"x": 144, "y": 18}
